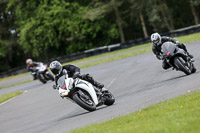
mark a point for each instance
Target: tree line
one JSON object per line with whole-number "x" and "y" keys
{"x": 44, "y": 29}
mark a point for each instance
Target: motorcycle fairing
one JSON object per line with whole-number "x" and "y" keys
{"x": 87, "y": 87}
{"x": 170, "y": 51}
{"x": 62, "y": 85}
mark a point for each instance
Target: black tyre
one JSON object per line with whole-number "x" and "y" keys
{"x": 41, "y": 78}
{"x": 181, "y": 64}
{"x": 43, "y": 81}
{"x": 109, "y": 98}
{"x": 87, "y": 104}
{"x": 193, "y": 69}
{"x": 50, "y": 76}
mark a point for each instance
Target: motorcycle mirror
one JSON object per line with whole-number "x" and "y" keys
{"x": 64, "y": 71}
{"x": 66, "y": 76}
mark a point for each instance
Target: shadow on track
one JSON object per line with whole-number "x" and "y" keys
{"x": 159, "y": 83}
{"x": 174, "y": 78}
{"x": 170, "y": 79}
{"x": 73, "y": 115}
{"x": 76, "y": 114}
{"x": 154, "y": 85}
{"x": 178, "y": 77}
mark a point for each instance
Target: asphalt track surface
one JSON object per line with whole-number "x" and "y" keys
{"x": 136, "y": 82}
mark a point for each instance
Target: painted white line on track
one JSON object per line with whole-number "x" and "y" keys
{"x": 7, "y": 101}
{"x": 112, "y": 81}
{"x": 11, "y": 99}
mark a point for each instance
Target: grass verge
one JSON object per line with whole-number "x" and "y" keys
{"x": 189, "y": 38}
{"x": 134, "y": 53}
{"x": 14, "y": 76}
{"x": 19, "y": 83}
{"x": 182, "y": 39}
{"x": 8, "y": 96}
{"x": 173, "y": 116}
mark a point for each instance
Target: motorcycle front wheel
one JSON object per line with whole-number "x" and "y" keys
{"x": 181, "y": 64}
{"x": 84, "y": 100}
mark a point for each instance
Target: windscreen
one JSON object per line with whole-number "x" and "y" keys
{"x": 61, "y": 81}
{"x": 168, "y": 47}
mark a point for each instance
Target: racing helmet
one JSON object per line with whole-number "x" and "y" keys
{"x": 156, "y": 39}
{"x": 56, "y": 67}
{"x": 29, "y": 62}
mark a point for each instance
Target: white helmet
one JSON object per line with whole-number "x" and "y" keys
{"x": 156, "y": 39}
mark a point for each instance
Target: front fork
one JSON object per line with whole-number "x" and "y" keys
{"x": 173, "y": 66}
{"x": 186, "y": 60}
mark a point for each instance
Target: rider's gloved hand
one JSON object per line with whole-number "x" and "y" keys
{"x": 76, "y": 75}
{"x": 177, "y": 42}
{"x": 55, "y": 87}
{"x": 61, "y": 96}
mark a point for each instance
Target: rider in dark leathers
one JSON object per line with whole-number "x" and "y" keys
{"x": 157, "y": 44}
{"x": 58, "y": 70}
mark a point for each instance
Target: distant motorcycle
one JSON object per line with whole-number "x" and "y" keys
{"x": 43, "y": 73}
{"x": 84, "y": 93}
{"x": 177, "y": 58}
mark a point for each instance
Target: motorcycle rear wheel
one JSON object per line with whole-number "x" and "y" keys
{"x": 109, "y": 98}
{"x": 193, "y": 68}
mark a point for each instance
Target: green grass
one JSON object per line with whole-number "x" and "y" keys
{"x": 143, "y": 49}
{"x": 189, "y": 38}
{"x": 19, "y": 83}
{"x": 8, "y": 96}
{"x": 134, "y": 53}
{"x": 15, "y": 76}
{"x": 109, "y": 54}
{"x": 178, "y": 115}
{"x": 182, "y": 39}
{"x": 86, "y": 59}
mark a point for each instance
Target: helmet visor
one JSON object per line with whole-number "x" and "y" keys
{"x": 55, "y": 71}
{"x": 155, "y": 41}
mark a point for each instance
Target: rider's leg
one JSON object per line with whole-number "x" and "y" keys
{"x": 183, "y": 46}
{"x": 90, "y": 79}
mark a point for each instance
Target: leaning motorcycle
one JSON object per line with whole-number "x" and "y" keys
{"x": 84, "y": 93}
{"x": 177, "y": 58}
{"x": 43, "y": 73}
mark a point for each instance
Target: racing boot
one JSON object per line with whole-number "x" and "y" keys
{"x": 89, "y": 78}
{"x": 98, "y": 85}
{"x": 183, "y": 46}
{"x": 191, "y": 56}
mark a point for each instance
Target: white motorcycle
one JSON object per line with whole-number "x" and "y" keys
{"x": 84, "y": 93}
{"x": 43, "y": 73}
